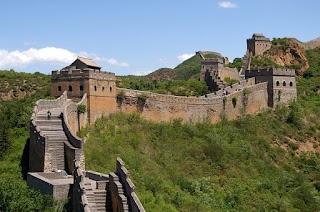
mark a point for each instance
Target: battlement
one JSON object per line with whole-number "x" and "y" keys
{"x": 212, "y": 60}
{"x": 83, "y": 73}
{"x": 270, "y": 71}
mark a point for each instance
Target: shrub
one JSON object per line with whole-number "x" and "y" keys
{"x": 120, "y": 96}
{"x": 142, "y": 98}
{"x": 234, "y": 101}
{"x": 81, "y": 108}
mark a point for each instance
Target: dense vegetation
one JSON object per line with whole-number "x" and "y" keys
{"x": 14, "y": 133}
{"x": 18, "y": 83}
{"x": 236, "y": 63}
{"x": 253, "y": 163}
{"x": 189, "y": 87}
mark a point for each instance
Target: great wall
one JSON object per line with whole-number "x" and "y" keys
{"x": 57, "y": 163}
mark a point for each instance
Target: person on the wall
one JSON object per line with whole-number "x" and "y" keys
{"x": 49, "y": 114}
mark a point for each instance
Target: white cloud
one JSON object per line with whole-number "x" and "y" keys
{"x": 227, "y": 4}
{"x": 184, "y": 57}
{"x": 114, "y": 62}
{"x": 31, "y": 56}
{"x": 140, "y": 73}
{"x": 51, "y": 55}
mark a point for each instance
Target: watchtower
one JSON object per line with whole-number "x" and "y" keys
{"x": 281, "y": 84}
{"x": 85, "y": 76}
{"x": 258, "y": 44}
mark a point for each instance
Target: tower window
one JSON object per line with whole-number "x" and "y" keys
{"x": 59, "y": 88}
{"x": 103, "y": 88}
{"x": 277, "y": 83}
{"x": 95, "y": 88}
{"x": 284, "y": 83}
{"x": 291, "y": 84}
{"x": 81, "y": 88}
{"x": 110, "y": 89}
{"x": 70, "y": 88}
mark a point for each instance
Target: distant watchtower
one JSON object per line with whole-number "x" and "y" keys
{"x": 85, "y": 76}
{"x": 213, "y": 70}
{"x": 258, "y": 44}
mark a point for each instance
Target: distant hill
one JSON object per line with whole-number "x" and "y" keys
{"x": 17, "y": 85}
{"x": 188, "y": 69}
{"x": 312, "y": 44}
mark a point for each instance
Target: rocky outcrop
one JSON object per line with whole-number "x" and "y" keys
{"x": 288, "y": 53}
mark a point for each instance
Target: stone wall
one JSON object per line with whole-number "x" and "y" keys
{"x": 40, "y": 158}
{"x": 129, "y": 188}
{"x": 74, "y": 148}
{"x": 281, "y": 84}
{"x": 118, "y": 199}
{"x": 79, "y": 197}
{"x": 158, "y": 107}
{"x": 75, "y": 120}
{"x": 54, "y": 184}
{"x": 98, "y": 85}
{"x": 258, "y": 44}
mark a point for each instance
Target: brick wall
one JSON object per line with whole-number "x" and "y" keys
{"x": 166, "y": 107}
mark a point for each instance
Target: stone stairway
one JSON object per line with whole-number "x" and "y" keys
{"x": 52, "y": 129}
{"x": 97, "y": 198}
{"x": 219, "y": 84}
{"x": 246, "y": 63}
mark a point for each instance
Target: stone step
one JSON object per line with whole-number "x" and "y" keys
{"x": 45, "y": 117}
{"x": 51, "y": 128}
{"x": 51, "y": 133}
{"x": 48, "y": 122}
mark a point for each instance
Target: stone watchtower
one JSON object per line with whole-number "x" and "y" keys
{"x": 85, "y": 76}
{"x": 258, "y": 44}
{"x": 214, "y": 71}
{"x": 281, "y": 84}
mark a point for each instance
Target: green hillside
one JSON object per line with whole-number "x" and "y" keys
{"x": 268, "y": 162}
{"x": 14, "y": 133}
{"x": 14, "y": 85}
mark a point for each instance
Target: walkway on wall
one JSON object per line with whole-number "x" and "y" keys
{"x": 246, "y": 63}
{"x": 52, "y": 129}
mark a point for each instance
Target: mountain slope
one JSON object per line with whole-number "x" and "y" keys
{"x": 186, "y": 70}
{"x": 16, "y": 85}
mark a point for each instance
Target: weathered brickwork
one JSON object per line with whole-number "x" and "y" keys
{"x": 214, "y": 72}
{"x": 258, "y": 44}
{"x": 281, "y": 84}
{"x": 98, "y": 85}
{"x": 265, "y": 88}
{"x": 159, "y": 107}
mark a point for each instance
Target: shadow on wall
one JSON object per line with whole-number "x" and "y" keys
{"x": 24, "y": 161}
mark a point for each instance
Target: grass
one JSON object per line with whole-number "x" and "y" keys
{"x": 233, "y": 165}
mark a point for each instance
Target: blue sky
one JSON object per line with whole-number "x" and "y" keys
{"x": 137, "y": 37}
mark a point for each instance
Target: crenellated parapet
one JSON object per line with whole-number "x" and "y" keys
{"x": 212, "y": 60}
{"x": 72, "y": 73}
{"x": 270, "y": 71}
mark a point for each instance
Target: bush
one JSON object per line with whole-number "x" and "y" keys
{"x": 142, "y": 98}
{"x": 81, "y": 108}
{"x": 234, "y": 101}
{"x": 120, "y": 96}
